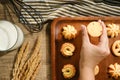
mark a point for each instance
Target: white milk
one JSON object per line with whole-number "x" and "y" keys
{"x": 3, "y": 40}
{"x": 11, "y": 36}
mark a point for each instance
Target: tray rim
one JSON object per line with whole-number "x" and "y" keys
{"x": 52, "y": 35}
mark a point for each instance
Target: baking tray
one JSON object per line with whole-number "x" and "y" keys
{"x": 57, "y": 39}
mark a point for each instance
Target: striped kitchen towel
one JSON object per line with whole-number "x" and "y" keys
{"x": 50, "y": 9}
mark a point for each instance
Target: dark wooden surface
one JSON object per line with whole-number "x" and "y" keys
{"x": 57, "y": 39}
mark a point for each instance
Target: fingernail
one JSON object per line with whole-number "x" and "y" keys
{"x": 99, "y": 20}
{"x": 82, "y": 27}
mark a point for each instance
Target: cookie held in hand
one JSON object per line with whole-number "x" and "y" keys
{"x": 94, "y": 29}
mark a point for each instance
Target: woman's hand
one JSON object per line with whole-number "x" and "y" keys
{"x": 91, "y": 54}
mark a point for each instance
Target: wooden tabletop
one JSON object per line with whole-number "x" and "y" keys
{"x": 7, "y": 59}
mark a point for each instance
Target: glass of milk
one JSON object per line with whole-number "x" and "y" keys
{"x": 11, "y": 36}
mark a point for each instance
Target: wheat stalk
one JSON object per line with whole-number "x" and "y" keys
{"x": 19, "y": 59}
{"x": 33, "y": 63}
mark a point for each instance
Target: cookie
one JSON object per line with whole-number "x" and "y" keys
{"x": 116, "y": 48}
{"x": 94, "y": 29}
{"x": 114, "y": 70}
{"x": 113, "y": 30}
{"x": 67, "y": 49}
{"x": 69, "y": 32}
{"x": 68, "y": 71}
{"x": 96, "y": 70}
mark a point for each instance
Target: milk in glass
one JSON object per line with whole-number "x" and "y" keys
{"x": 11, "y": 36}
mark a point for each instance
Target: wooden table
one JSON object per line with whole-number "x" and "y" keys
{"x": 7, "y": 59}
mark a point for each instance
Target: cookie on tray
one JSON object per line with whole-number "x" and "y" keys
{"x": 67, "y": 49}
{"x": 96, "y": 70}
{"x": 116, "y": 48}
{"x": 114, "y": 70}
{"x": 69, "y": 32}
{"x": 68, "y": 71}
{"x": 113, "y": 30}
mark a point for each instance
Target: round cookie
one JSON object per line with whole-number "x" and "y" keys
{"x": 116, "y": 48}
{"x": 94, "y": 29}
{"x": 68, "y": 71}
{"x": 69, "y": 32}
{"x": 96, "y": 70}
{"x": 67, "y": 49}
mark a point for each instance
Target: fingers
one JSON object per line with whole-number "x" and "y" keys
{"x": 103, "y": 38}
{"x": 104, "y": 28}
{"x": 85, "y": 38}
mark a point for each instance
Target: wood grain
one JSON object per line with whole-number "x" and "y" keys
{"x": 58, "y": 61}
{"x": 7, "y": 59}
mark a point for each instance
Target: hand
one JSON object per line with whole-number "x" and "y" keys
{"x": 91, "y": 54}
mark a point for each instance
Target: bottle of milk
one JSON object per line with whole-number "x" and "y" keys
{"x": 11, "y": 36}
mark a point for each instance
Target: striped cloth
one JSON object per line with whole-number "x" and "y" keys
{"x": 50, "y": 9}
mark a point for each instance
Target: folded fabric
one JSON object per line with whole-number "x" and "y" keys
{"x": 50, "y": 9}
{"x": 112, "y": 2}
